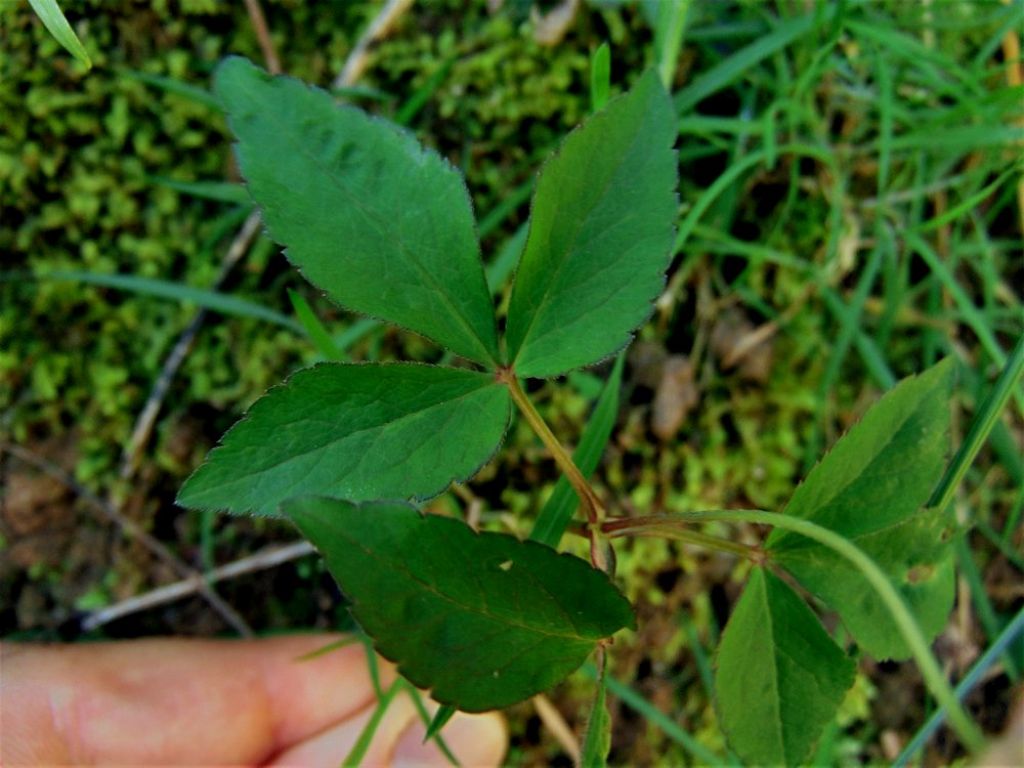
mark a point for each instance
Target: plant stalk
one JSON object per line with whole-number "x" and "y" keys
{"x": 754, "y": 554}
{"x": 591, "y": 504}
{"x": 966, "y": 729}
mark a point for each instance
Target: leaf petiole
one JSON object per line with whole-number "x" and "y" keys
{"x": 592, "y": 506}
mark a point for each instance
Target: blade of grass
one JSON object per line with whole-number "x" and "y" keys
{"x": 982, "y": 605}
{"x": 444, "y": 713}
{"x": 314, "y": 328}
{"x": 985, "y": 419}
{"x": 849, "y": 325}
{"x": 54, "y": 20}
{"x": 971, "y": 314}
{"x": 668, "y": 37}
{"x": 600, "y": 77}
{"x": 428, "y": 723}
{"x": 657, "y": 718}
{"x": 504, "y": 263}
{"x": 408, "y": 111}
{"x": 358, "y": 751}
{"x": 220, "y": 191}
{"x": 165, "y": 289}
{"x": 1006, "y": 638}
{"x": 501, "y": 211}
{"x": 173, "y": 86}
{"x": 747, "y": 58}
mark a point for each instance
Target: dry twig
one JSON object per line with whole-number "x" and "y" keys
{"x": 267, "y": 558}
{"x": 132, "y": 529}
{"x": 358, "y": 59}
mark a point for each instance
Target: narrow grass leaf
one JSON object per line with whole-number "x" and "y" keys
{"x": 444, "y": 713}
{"x": 398, "y": 431}
{"x": 744, "y": 61}
{"x": 557, "y": 512}
{"x": 871, "y": 488}
{"x": 600, "y": 77}
{"x": 54, "y": 20}
{"x": 168, "y": 289}
{"x": 779, "y": 676}
{"x": 483, "y": 620}
{"x": 314, "y": 328}
{"x": 381, "y": 224}
{"x": 598, "y": 739}
{"x": 601, "y": 231}
{"x": 356, "y": 755}
{"x": 220, "y": 191}
{"x": 174, "y": 86}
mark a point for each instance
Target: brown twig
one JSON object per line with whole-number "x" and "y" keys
{"x": 356, "y": 62}
{"x": 267, "y": 558}
{"x": 259, "y": 25}
{"x": 132, "y": 529}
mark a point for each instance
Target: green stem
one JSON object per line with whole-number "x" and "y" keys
{"x": 965, "y": 728}
{"x": 981, "y": 427}
{"x": 591, "y": 504}
{"x": 693, "y": 537}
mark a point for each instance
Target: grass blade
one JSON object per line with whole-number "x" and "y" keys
{"x": 600, "y": 77}
{"x": 165, "y": 289}
{"x": 314, "y": 328}
{"x": 53, "y": 19}
{"x": 219, "y": 191}
{"x": 745, "y": 59}
{"x": 174, "y": 86}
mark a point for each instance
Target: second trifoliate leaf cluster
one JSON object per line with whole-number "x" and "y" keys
{"x": 386, "y": 228}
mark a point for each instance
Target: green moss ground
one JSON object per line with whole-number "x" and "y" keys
{"x": 849, "y": 192}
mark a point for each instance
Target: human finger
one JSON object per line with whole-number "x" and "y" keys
{"x": 173, "y": 700}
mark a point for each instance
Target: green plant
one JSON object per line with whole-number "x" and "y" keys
{"x": 483, "y": 619}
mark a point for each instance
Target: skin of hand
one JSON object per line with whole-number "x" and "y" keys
{"x": 215, "y": 702}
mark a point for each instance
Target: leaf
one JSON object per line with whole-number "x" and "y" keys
{"x": 601, "y": 234}
{"x": 556, "y": 514}
{"x": 395, "y": 431}
{"x": 55, "y": 22}
{"x": 871, "y": 489}
{"x": 779, "y": 676}
{"x": 598, "y": 740}
{"x": 484, "y": 620}
{"x": 381, "y": 224}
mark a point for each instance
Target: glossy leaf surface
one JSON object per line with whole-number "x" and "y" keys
{"x": 397, "y": 431}
{"x": 779, "y": 677}
{"x": 367, "y": 214}
{"x": 484, "y": 620}
{"x": 601, "y": 233}
{"x": 871, "y": 488}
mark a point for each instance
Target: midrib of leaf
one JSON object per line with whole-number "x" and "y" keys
{"x": 424, "y": 273}
{"x": 461, "y": 606}
{"x": 376, "y": 427}
{"x": 777, "y": 720}
{"x": 546, "y": 298}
